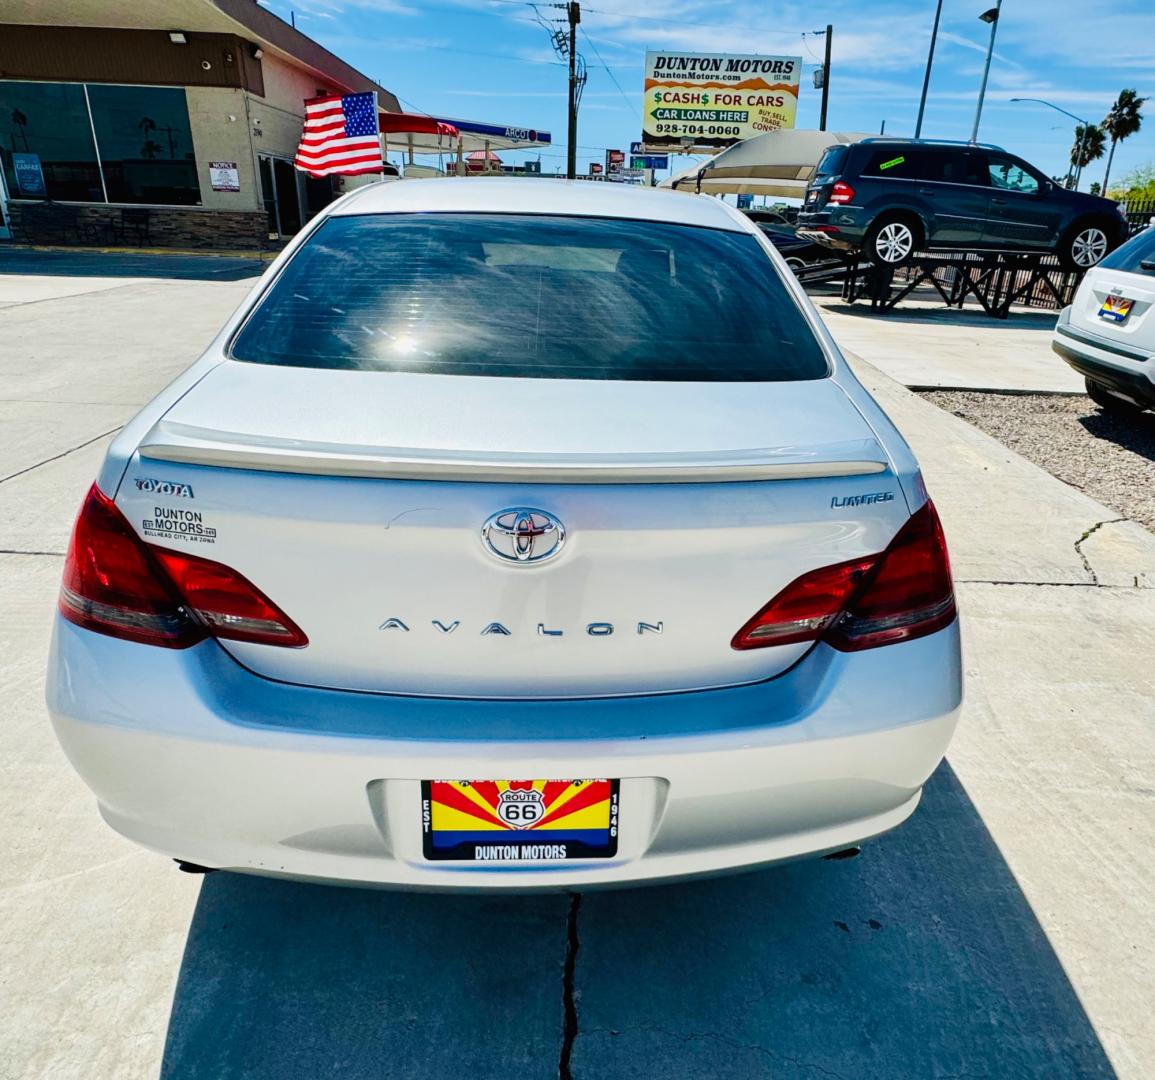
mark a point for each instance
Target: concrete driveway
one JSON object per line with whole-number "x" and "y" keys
{"x": 1005, "y": 931}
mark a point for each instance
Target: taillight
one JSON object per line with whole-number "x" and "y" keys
{"x": 903, "y": 593}
{"x": 841, "y": 193}
{"x": 116, "y": 584}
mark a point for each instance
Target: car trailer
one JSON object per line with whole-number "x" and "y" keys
{"x": 995, "y": 279}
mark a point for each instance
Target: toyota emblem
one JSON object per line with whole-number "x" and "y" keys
{"x": 521, "y": 534}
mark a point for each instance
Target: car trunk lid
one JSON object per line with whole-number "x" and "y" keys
{"x": 699, "y": 502}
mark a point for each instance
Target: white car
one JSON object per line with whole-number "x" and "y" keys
{"x": 1108, "y": 334}
{"x": 514, "y": 534}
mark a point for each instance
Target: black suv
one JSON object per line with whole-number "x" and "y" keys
{"x": 890, "y": 198}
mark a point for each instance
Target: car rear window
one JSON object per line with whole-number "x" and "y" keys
{"x": 1130, "y": 257}
{"x": 832, "y": 162}
{"x": 533, "y": 297}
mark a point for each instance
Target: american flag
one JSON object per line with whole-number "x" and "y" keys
{"x": 340, "y": 136}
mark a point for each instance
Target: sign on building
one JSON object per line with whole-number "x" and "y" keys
{"x": 29, "y": 174}
{"x": 713, "y": 100}
{"x": 224, "y": 176}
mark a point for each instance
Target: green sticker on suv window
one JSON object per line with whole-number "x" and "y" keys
{"x": 891, "y": 163}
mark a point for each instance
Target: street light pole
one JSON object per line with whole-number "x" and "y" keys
{"x": 826, "y": 78}
{"x": 1082, "y": 139}
{"x": 926, "y": 77}
{"x": 991, "y": 16}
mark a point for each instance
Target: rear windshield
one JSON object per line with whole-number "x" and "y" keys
{"x": 832, "y": 161}
{"x": 533, "y": 297}
{"x": 1131, "y": 256}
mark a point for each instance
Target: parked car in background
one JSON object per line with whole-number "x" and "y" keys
{"x": 1108, "y": 333}
{"x": 890, "y": 198}
{"x": 766, "y": 216}
{"x": 800, "y": 252}
{"x": 419, "y": 577}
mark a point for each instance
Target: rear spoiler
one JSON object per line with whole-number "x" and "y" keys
{"x": 195, "y": 446}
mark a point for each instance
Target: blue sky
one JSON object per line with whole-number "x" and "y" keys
{"x": 491, "y": 60}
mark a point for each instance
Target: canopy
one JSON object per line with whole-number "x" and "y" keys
{"x": 778, "y": 163}
{"x": 418, "y": 134}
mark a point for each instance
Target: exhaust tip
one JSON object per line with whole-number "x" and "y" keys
{"x": 193, "y": 868}
{"x": 845, "y": 853}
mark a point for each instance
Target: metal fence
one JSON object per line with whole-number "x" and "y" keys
{"x": 1140, "y": 213}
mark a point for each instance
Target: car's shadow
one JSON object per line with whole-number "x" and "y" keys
{"x": 1132, "y": 432}
{"x": 920, "y": 959}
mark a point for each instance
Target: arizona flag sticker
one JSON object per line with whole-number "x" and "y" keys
{"x": 519, "y": 820}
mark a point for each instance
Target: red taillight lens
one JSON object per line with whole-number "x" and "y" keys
{"x": 806, "y": 608}
{"x": 116, "y": 584}
{"x": 903, "y": 593}
{"x": 111, "y": 585}
{"x": 909, "y": 595}
{"x": 841, "y": 193}
{"x": 227, "y": 604}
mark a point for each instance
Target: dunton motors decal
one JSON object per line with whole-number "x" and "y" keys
{"x": 169, "y": 523}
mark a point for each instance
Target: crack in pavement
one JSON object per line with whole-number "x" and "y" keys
{"x": 1039, "y": 584}
{"x": 1086, "y": 536}
{"x": 569, "y": 1000}
{"x": 63, "y": 453}
{"x": 73, "y": 296}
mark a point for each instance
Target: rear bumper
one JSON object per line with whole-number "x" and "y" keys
{"x": 193, "y": 756}
{"x": 837, "y": 227}
{"x": 1118, "y": 368}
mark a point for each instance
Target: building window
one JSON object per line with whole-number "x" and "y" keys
{"x": 146, "y": 148}
{"x": 46, "y": 143}
{"x": 121, "y": 144}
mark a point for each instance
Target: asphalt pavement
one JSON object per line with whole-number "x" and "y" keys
{"x": 1004, "y": 931}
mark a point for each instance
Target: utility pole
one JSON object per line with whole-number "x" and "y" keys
{"x": 574, "y": 14}
{"x": 826, "y": 78}
{"x": 926, "y": 77}
{"x": 992, "y": 18}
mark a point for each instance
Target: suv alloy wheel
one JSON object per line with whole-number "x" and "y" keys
{"x": 1087, "y": 246}
{"x": 891, "y": 241}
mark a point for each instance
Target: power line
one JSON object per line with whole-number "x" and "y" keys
{"x": 593, "y": 45}
{"x": 495, "y": 56}
{"x": 684, "y": 22}
{"x": 534, "y": 6}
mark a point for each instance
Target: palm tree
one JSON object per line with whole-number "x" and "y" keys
{"x": 147, "y": 126}
{"x": 1124, "y": 119}
{"x": 1089, "y": 145}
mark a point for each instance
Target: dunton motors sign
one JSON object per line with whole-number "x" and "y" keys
{"x": 717, "y": 99}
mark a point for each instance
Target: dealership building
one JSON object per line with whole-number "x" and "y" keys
{"x": 166, "y": 122}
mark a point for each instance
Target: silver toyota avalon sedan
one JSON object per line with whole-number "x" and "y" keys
{"x": 513, "y": 534}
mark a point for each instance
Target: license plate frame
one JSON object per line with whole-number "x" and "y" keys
{"x": 1116, "y": 308}
{"x": 476, "y": 821}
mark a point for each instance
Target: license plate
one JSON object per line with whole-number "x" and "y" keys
{"x": 514, "y": 821}
{"x": 1116, "y": 309}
